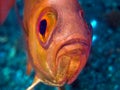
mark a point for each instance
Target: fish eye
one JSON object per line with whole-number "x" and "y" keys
{"x": 42, "y": 27}
{"x": 46, "y": 24}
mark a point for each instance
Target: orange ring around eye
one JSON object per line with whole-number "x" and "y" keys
{"x": 50, "y": 15}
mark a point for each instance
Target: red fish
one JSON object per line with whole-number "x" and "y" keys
{"x": 5, "y": 6}
{"x": 58, "y": 40}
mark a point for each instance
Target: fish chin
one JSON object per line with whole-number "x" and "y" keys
{"x": 69, "y": 60}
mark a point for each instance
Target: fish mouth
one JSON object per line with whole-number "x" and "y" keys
{"x": 68, "y": 60}
{"x": 73, "y": 44}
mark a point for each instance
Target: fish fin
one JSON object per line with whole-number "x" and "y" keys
{"x": 29, "y": 68}
{"x": 18, "y": 16}
{"x": 5, "y": 6}
{"x": 61, "y": 88}
{"x": 35, "y": 82}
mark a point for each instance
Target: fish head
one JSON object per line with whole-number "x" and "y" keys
{"x": 59, "y": 39}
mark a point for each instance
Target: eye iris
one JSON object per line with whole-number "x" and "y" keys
{"x": 43, "y": 25}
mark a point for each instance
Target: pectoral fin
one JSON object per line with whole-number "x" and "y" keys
{"x": 35, "y": 82}
{"x": 29, "y": 68}
{"x": 5, "y": 6}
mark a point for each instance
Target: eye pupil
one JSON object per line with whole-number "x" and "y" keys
{"x": 42, "y": 27}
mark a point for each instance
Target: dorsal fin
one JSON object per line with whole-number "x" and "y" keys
{"x": 5, "y": 6}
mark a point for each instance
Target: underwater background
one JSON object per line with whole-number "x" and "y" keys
{"x": 102, "y": 71}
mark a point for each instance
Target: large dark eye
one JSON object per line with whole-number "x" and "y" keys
{"x": 46, "y": 24}
{"x": 42, "y": 27}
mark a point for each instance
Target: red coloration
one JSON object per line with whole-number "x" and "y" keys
{"x": 5, "y": 6}
{"x": 60, "y": 55}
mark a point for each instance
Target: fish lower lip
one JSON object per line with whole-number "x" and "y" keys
{"x": 69, "y": 48}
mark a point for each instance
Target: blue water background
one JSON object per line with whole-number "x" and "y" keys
{"x": 102, "y": 71}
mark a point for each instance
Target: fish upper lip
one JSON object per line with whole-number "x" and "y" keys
{"x": 74, "y": 41}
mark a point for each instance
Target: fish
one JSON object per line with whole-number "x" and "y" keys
{"x": 58, "y": 41}
{"x": 5, "y": 6}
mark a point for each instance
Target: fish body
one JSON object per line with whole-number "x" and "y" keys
{"x": 58, "y": 40}
{"x": 61, "y": 52}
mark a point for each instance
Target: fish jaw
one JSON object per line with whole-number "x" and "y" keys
{"x": 70, "y": 57}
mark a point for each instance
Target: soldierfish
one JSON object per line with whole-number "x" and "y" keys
{"x": 5, "y": 6}
{"x": 58, "y": 40}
